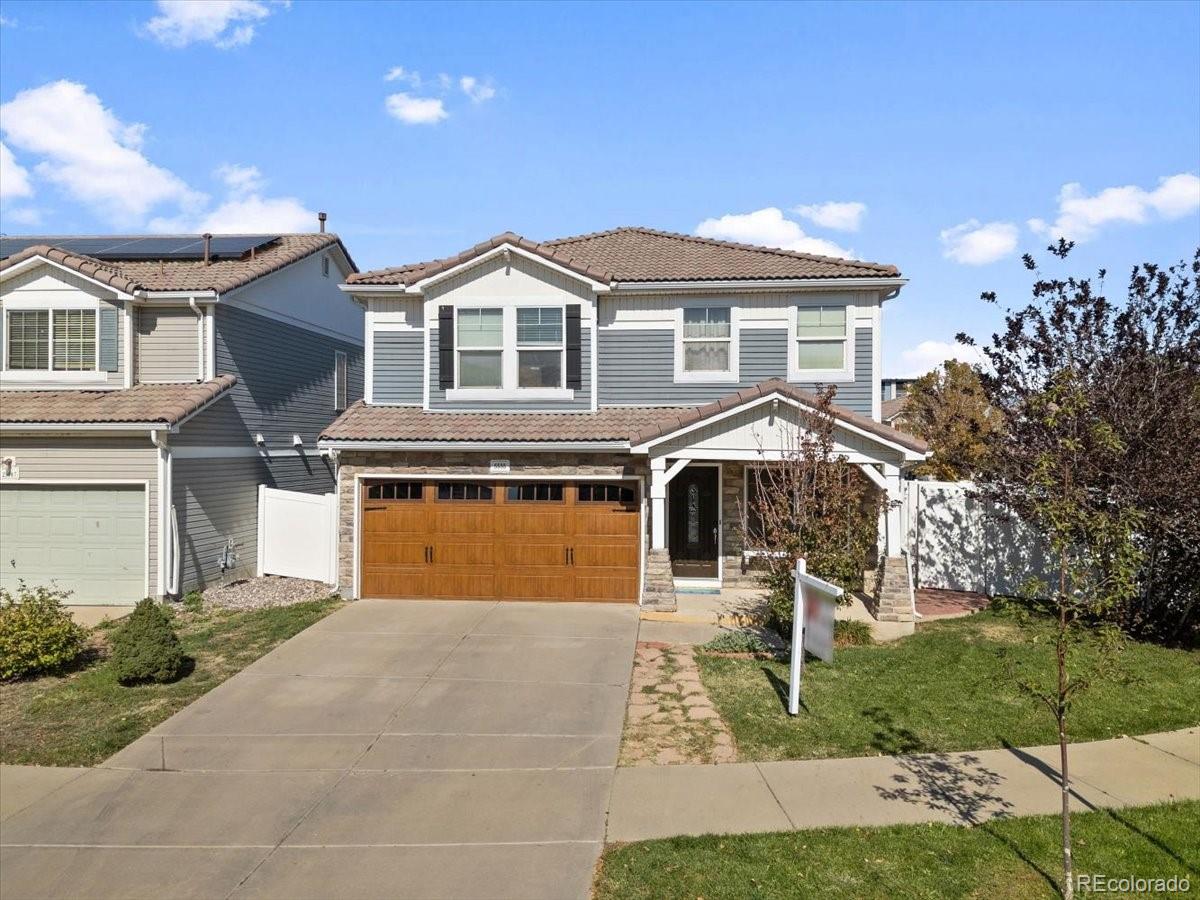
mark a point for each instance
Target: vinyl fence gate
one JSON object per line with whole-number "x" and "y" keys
{"x": 297, "y": 534}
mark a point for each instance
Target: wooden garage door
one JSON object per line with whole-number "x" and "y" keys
{"x": 505, "y": 540}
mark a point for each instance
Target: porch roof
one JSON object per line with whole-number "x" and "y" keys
{"x": 683, "y": 419}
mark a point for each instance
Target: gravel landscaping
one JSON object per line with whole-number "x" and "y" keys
{"x": 265, "y": 592}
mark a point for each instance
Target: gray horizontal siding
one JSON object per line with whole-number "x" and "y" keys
{"x": 581, "y": 401}
{"x": 166, "y": 344}
{"x": 397, "y": 367}
{"x": 216, "y": 500}
{"x": 285, "y": 382}
{"x": 638, "y": 367}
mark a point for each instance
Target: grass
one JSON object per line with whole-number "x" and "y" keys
{"x": 945, "y": 688}
{"x": 1016, "y": 858}
{"x": 83, "y": 717}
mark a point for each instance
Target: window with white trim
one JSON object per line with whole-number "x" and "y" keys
{"x": 339, "y": 380}
{"x": 60, "y": 340}
{"x": 821, "y": 338}
{"x": 707, "y": 339}
{"x": 540, "y": 346}
{"x": 480, "y": 347}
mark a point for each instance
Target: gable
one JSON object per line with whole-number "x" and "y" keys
{"x": 50, "y": 285}
{"x": 516, "y": 278}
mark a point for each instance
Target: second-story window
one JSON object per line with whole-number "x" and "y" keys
{"x": 820, "y": 338}
{"x": 539, "y": 347}
{"x": 480, "y": 348}
{"x": 61, "y": 340}
{"x": 707, "y": 339}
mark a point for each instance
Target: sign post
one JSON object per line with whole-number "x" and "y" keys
{"x": 812, "y": 626}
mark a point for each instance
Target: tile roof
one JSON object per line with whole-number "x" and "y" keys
{"x": 632, "y": 424}
{"x": 889, "y": 409}
{"x": 165, "y": 403}
{"x": 219, "y": 275}
{"x": 646, "y": 255}
{"x": 409, "y": 423}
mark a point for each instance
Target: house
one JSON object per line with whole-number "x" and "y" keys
{"x": 574, "y": 419}
{"x": 148, "y": 386}
{"x": 895, "y": 398}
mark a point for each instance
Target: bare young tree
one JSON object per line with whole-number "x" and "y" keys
{"x": 807, "y": 500}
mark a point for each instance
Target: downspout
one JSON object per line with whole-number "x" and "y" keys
{"x": 168, "y": 526}
{"x": 200, "y": 367}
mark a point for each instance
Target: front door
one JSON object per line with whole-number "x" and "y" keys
{"x": 693, "y": 506}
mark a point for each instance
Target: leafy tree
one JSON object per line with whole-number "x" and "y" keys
{"x": 1066, "y": 378}
{"x": 948, "y": 408}
{"x": 810, "y": 503}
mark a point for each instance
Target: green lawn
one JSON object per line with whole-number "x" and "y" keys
{"x": 1016, "y": 858}
{"x": 83, "y": 717}
{"x": 945, "y": 688}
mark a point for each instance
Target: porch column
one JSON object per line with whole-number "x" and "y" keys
{"x": 658, "y": 504}
{"x": 895, "y": 539}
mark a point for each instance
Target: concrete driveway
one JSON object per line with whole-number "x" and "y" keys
{"x": 395, "y": 749}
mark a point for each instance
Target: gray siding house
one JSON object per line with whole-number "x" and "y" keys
{"x": 148, "y": 386}
{"x": 575, "y": 419}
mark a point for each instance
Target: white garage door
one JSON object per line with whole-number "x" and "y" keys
{"x": 87, "y": 540}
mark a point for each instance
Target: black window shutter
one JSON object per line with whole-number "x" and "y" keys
{"x": 445, "y": 347}
{"x": 574, "y": 348}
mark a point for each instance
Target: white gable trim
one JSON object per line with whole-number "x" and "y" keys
{"x": 910, "y": 455}
{"x": 39, "y": 260}
{"x": 420, "y": 286}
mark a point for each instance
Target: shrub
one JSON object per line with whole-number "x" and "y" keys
{"x": 146, "y": 647}
{"x": 193, "y": 601}
{"x": 36, "y": 634}
{"x": 737, "y": 642}
{"x": 852, "y": 634}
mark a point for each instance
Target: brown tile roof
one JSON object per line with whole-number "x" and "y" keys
{"x": 647, "y": 255}
{"x": 635, "y": 424}
{"x": 889, "y": 409}
{"x": 764, "y": 389}
{"x": 409, "y": 423}
{"x": 165, "y": 403}
{"x": 219, "y": 275}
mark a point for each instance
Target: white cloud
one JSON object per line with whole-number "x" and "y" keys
{"x": 26, "y": 216}
{"x": 478, "y": 91}
{"x": 769, "y": 228}
{"x": 222, "y": 23}
{"x": 14, "y": 178}
{"x": 240, "y": 180}
{"x": 399, "y": 73}
{"x": 839, "y": 216}
{"x": 416, "y": 110}
{"x": 975, "y": 244}
{"x": 928, "y": 355}
{"x": 90, "y": 153}
{"x": 1080, "y": 216}
{"x": 7, "y": 22}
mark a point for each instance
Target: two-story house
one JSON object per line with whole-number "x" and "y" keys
{"x": 574, "y": 419}
{"x": 149, "y": 385}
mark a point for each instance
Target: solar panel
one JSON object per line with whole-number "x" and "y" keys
{"x": 143, "y": 247}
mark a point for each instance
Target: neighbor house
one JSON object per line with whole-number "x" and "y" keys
{"x": 149, "y": 386}
{"x": 575, "y": 419}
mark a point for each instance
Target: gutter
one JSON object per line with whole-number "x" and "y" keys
{"x": 497, "y": 446}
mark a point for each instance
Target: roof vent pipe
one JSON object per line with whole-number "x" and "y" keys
{"x": 321, "y": 217}
{"x": 207, "y": 248}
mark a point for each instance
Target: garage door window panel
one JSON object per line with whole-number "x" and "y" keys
{"x": 395, "y": 490}
{"x": 451, "y": 491}
{"x": 606, "y": 493}
{"x": 535, "y": 492}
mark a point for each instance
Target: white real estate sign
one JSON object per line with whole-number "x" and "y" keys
{"x": 812, "y": 626}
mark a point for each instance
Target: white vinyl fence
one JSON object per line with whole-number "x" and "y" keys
{"x": 297, "y": 534}
{"x": 956, "y": 541}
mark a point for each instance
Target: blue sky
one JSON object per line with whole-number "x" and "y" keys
{"x": 940, "y": 130}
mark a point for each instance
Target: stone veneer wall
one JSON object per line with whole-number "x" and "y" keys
{"x": 432, "y": 463}
{"x": 733, "y": 496}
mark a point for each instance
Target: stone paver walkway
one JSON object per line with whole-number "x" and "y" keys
{"x": 395, "y": 749}
{"x": 671, "y": 719}
{"x": 960, "y": 788}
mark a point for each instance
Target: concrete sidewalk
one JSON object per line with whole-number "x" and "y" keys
{"x": 400, "y": 749}
{"x": 959, "y": 788}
